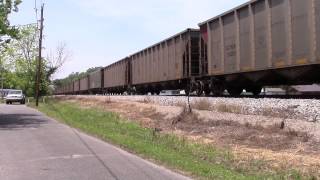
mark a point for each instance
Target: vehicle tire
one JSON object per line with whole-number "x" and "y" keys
{"x": 7, "y": 102}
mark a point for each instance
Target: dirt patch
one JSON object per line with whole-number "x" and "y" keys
{"x": 230, "y": 132}
{"x": 283, "y": 143}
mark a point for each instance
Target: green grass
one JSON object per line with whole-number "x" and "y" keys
{"x": 199, "y": 160}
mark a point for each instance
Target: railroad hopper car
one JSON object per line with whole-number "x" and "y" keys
{"x": 117, "y": 76}
{"x": 76, "y": 86}
{"x": 62, "y": 89}
{"x": 65, "y": 89}
{"x": 96, "y": 81}
{"x": 84, "y": 85}
{"x": 167, "y": 65}
{"x": 58, "y": 91}
{"x": 69, "y": 88}
{"x": 262, "y": 42}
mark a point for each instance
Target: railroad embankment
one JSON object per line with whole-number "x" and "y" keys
{"x": 219, "y": 138}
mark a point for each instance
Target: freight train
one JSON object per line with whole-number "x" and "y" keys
{"x": 260, "y": 43}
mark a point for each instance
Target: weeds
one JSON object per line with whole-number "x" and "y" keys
{"x": 180, "y": 104}
{"x": 222, "y": 107}
{"x": 267, "y": 111}
{"x": 202, "y": 104}
{"x": 304, "y": 136}
{"x": 107, "y": 100}
{"x": 146, "y": 100}
{"x": 186, "y": 116}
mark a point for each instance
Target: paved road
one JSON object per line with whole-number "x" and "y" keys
{"x": 35, "y": 147}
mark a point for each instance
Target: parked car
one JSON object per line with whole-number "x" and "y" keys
{"x": 15, "y": 96}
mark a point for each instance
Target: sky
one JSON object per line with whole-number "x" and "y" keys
{"x": 101, "y": 32}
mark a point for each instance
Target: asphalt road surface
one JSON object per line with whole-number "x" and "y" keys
{"x": 35, "y": 147}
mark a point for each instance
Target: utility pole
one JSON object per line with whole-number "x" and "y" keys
{"x": 39, "y": 58}
{"x": 1, "y": 78}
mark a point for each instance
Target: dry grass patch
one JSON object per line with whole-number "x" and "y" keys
{"x": 180, "y": 104}
{"x": 107, "y": 100}
{"x": 229, "y": 108}
{"x": 146, "y": 100}
{"x": 186, "y": 116}
{"x": 277, "y": 112}
{"x": 202, "y": 104}
{"x": 267, "y": 111}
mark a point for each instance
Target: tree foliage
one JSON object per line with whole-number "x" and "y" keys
{"x": 7, "y": 7}
{"x": 19, "y": 60}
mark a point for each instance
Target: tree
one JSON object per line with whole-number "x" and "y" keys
{"x": 56, "y": 60}
{"x": 19, "y": 57}
{"x": 22, "y": 54}
{"x": 7, "y": 7}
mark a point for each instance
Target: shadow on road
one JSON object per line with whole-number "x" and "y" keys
{"x": 18, "y": 121}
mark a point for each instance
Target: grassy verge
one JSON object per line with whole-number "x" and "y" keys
{"x": 199, "y": 160}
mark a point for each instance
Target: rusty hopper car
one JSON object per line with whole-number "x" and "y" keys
{"x": 168, "y": 64}
{"x": 76, "y": 86}
{"x": 96, "y": 81}
{"x": 65, "y": 89}
{"x": 58, "y": 90}
{"x": 116, "y": 76}
{"x": 70, "y": 88}
{"x": 84, "y": 85}
{"x": 263, "y": 42}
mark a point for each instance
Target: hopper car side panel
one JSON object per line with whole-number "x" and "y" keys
{"x": 95, "y": 80}
{"x": 263, "y": 34}
{"x": 174, "y": 59}
{"x": 84, "y": 84}
{"x": 76, "y": 86}
{"x": 116, "y": 76}
{"x": 277, "y": 40}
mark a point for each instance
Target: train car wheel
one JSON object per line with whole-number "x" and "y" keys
{"x": 187, "y": 91}
{"x": 235, "y": 91}
{"x": 256, "y": 91}
{"x": 200, "y": 88}
{"x": 217, "y": 90}
{"x": 207, "y": 92}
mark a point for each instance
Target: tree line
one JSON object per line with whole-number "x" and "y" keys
{"x": 74, "y": 76}
{"x": 19, "y": 54}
